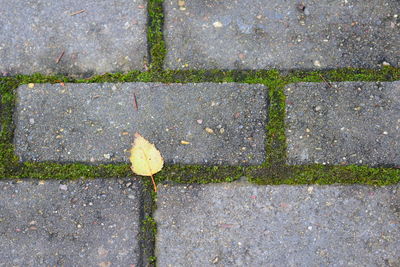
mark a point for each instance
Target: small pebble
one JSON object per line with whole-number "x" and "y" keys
{"x": 317, "y": 108}
{"x": 63, "y": 187}
{"x": 209, "y": 130}
{"x": 317, "y": 63}
{"x": 217, "y": 24}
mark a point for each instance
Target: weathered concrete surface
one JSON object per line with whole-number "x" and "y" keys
{"x": 249, "y": 225}
{"x": 106, "y": 37}
{"x": 346, "y": 123}
{"x": 220, "y": 123}
{"x": 74, "y": 223}
{"x": 259, "y": 34}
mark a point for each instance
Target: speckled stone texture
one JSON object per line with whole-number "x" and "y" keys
{"x": 95, "y": 123}
{"x": 109, "y": 36}
{"x": 343, "y": 123}
{"x": 70, "y": 223}
{"x": 259, "y": 34}
{"x": 249, "y": 225}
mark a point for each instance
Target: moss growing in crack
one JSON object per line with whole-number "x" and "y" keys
{"x": 148, "y": 229}
{"x": 155, "y": 34}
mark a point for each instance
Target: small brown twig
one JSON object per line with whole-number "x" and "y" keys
{"x": 326, "y": 81}
{"x": 77, "y": 12}
{"x": 59, "y": 58}
{"x": 135, "y": 102}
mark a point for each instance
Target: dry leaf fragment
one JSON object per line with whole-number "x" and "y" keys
{"x": 183, "y": 142}
{"x": 31, "y": 85}
{"x": 145, "y": 158}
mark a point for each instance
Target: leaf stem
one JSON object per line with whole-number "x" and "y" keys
{"x": 154, "y": 183}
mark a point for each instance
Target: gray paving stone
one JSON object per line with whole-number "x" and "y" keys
{"x": 96, "y": 122}
{"x": 259, "y": 34}
{"x": 74, "y": 223}
{"x": 249, "y": 225}
{"x": 107, "y": 37}
{"x": 346, "y": 123}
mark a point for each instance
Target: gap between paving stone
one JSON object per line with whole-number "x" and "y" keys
{"x": 95, "y": 123}
{"x": 240, "y": 224}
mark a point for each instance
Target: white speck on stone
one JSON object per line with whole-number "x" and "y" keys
{"x": 317, "y": 63}
{"x": 310, "y": 228}
{"x": 217, "y": 24}
{"x": 131, "y": 196}
{"x": 199, "y": 121}
{"x": 63, "y": 187}
{"x": 31, "y": 120}
{"x": 310, "y": 189}
{"x": 107, "y": 156}
{"x": 385, "y": 133}
{"x": 384, "y": 63}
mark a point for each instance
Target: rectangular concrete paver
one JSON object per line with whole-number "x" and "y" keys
{"x": 250, "y": 225}
{"x": 70, "y": 223}
{"x": 72, "y": 37}
{"x": 202, "y": 123}
{"x": 343, "y": 123}
{"x": 259, "y": 34}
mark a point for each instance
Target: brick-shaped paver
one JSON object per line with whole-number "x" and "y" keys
{"x": 250, "y": 225}
{"x": 70, "y": 223}
{"x": 259, "y": 34}
{"x": 72, "y": 37}
{"x": 343, "y": 123}
{"x": 205, "y": 123}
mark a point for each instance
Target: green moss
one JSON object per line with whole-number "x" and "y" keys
{"x": 319, "y": 174}
{"x": 155, "y": 34}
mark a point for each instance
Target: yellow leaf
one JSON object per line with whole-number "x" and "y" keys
{"x": 145, "y": 158}
{"x": 31, "y": 85}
